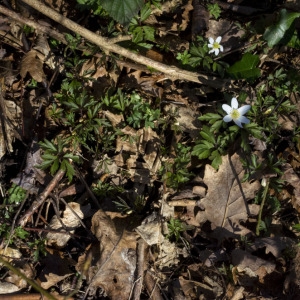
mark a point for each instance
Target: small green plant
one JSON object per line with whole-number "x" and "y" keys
{"x": 39, "y": 249}
{"x": 16, "y": 194}
{"x": 176, "y": 227}
{"x": 214, "y": 10}
{"x": 198, "y": 56}
{"x": 142, "y": 33}
{"x": 135, "y": 111}
{"x": 58, "y": 155}
{"x": 175, "y": 171}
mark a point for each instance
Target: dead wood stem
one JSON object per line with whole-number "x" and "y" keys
{"x": 42, "y": 197}
{"x": 182, "y": 202}
{"x": 137, "y": 290}
{"x": 106, "y": 45}
{"x": 152, "y": 287}
{"x": 44, "y": 29}
{"x": 29, "y": 281}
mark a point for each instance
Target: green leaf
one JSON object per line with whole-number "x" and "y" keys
{"x": 122, "y": 10}
{"x": 207, "y": 135}
{"x": 245, "y": 68}
{"x": 201, "y": 151}
{"x": 275, "y": 33}
{"x": 255, "y": 130}
{"x": 47, "y": 145}
{"x": 210, "y": 117}
{"x": 216, "y": 159}
{"x": 54, "y": 167}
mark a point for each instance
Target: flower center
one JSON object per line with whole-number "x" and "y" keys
{"x": 235, "y": 114}
{"x": 216, "y": 45}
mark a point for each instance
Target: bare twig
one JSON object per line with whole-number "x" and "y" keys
{"x": 183, "y": 202}
{"x": 42, "y": 197}
{"x": 106, "y": 45}
{"x": 41, "y": 28}
{"x": 136, "y": 295}
{"x": 152, "y": 287}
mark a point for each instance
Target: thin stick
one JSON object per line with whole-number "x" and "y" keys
{"x": 264, "y": 196}
{"x": 44, "y": 29}
{"x": 107, "y": 46}
{"x": 137, "y": 290}
{"x": 42, "y": 197}
{"x": 29, "y": 281}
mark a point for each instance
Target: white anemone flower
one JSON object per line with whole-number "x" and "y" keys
{"x": 236, "y": 114}
{"x": 215, "y": 45}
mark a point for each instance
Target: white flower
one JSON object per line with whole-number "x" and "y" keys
{"x": 236, "y": 114}
{"x": 215, "y": 45}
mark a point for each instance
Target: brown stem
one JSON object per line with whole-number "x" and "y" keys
{"x": 42, "y": 197}
{"x": 106, "y": 45}
{"x": 41, "y": 28}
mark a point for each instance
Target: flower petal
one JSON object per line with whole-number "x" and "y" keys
{"x": 234, "y": 103}
{"x": 244, "y": 109}
{"x": 210, "y": 45}
{"x": 244, "y": 120}
{"x": 221, "y": 48}
{"x": 211, "y": 40}
{"x": 211, "y": 51}
{"x": 238, "y": 122}
{"x": 227, "y": 108}
{"x": 218, "y": 40}
{"x": 227, "y": 118}
{"x": 217, "y": 51}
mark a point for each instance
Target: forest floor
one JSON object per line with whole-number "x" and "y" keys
{"x": 150, "y": 149}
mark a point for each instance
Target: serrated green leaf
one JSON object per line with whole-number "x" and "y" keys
{"x": 275, "y": 33}
{"x": 54, "y": 167}
{"x": 210, "y": 117}
{"x": 122, "y": 10}
{"x": 216, "y": 159}
{"x": 245, "y": 68}
{"x": 201, "y": 151}
{"x": 207, "y": 134}
{"x": 47, "y": 145}
{"x": 254, "y": 130}
{"x": 216, "y": 126}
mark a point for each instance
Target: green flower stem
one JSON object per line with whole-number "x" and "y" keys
{"x": 29, "y": 281}
{"x": 262, "y": 206}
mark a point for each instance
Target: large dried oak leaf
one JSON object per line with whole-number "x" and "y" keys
{"x": 226, "y": 200}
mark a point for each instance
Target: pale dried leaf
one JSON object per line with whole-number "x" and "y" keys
{"x": 293, "y": 179}
{"x": 114, "y": 259}
{"x": 244, "y": 259}
{"x": 226, "y": 201}
{"x": 9, "y": 121}
{"x": 273, "y": 245}
{"x": 71, "y": 221}
{"x": 7, "y": 288}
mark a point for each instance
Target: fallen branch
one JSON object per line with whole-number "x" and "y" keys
{"x": 107, "y": 46}
{"x": 39, "y": 27}
{"x": 41, "y": 198}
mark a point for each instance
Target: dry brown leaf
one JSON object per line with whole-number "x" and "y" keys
{"x": 71, "y": 221}
{"x": 225, "y": 203}
{"x": 293, "y": 179}
{"x": 113, "y": 258}
{"x": 7, "y": 288}
{"x": 32, "y": 64}
{"x": 210, "y": 289}
{"x": 10, "y": 114}
{"x": 249, "y": 268}
{"x": 273, "y": 245}
{"x": 56, "y": 269}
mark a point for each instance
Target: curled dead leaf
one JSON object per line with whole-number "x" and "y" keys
{"x": 32, "y": 64}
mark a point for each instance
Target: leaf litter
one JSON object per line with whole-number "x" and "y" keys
{"x": 199, "y": 240}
